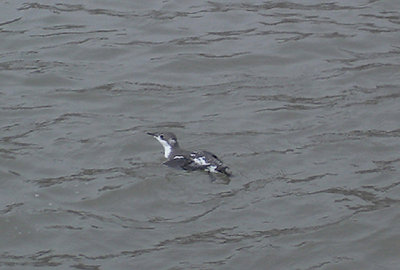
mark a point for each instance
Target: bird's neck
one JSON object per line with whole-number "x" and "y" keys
{"x": 167, "y": 150}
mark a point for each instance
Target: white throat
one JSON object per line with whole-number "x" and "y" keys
{"x": 167, "y": 147}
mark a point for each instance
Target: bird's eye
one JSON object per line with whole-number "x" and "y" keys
{"x": 162, "y": 136}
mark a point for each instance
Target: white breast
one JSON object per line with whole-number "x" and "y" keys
{"x": 167, "y": 147}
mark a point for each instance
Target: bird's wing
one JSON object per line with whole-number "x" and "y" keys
{"x": 177, "y": 162}
{"x": 205, "y": 157}
{"x": 212, "y": 157}
{"x": 184, "y": 162}
{"x": 213, "y": 160}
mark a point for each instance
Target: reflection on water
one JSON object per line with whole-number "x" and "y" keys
{"x": 300, "y": 99}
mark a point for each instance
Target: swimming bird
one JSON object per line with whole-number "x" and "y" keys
{"x": 189, "y": 160}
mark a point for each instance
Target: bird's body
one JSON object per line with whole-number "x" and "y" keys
{"x": 189, "y": 160}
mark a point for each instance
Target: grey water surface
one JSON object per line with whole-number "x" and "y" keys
{"x": 300, "y": 98}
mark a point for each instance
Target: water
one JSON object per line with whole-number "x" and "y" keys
{"x": 300, "y": 98}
